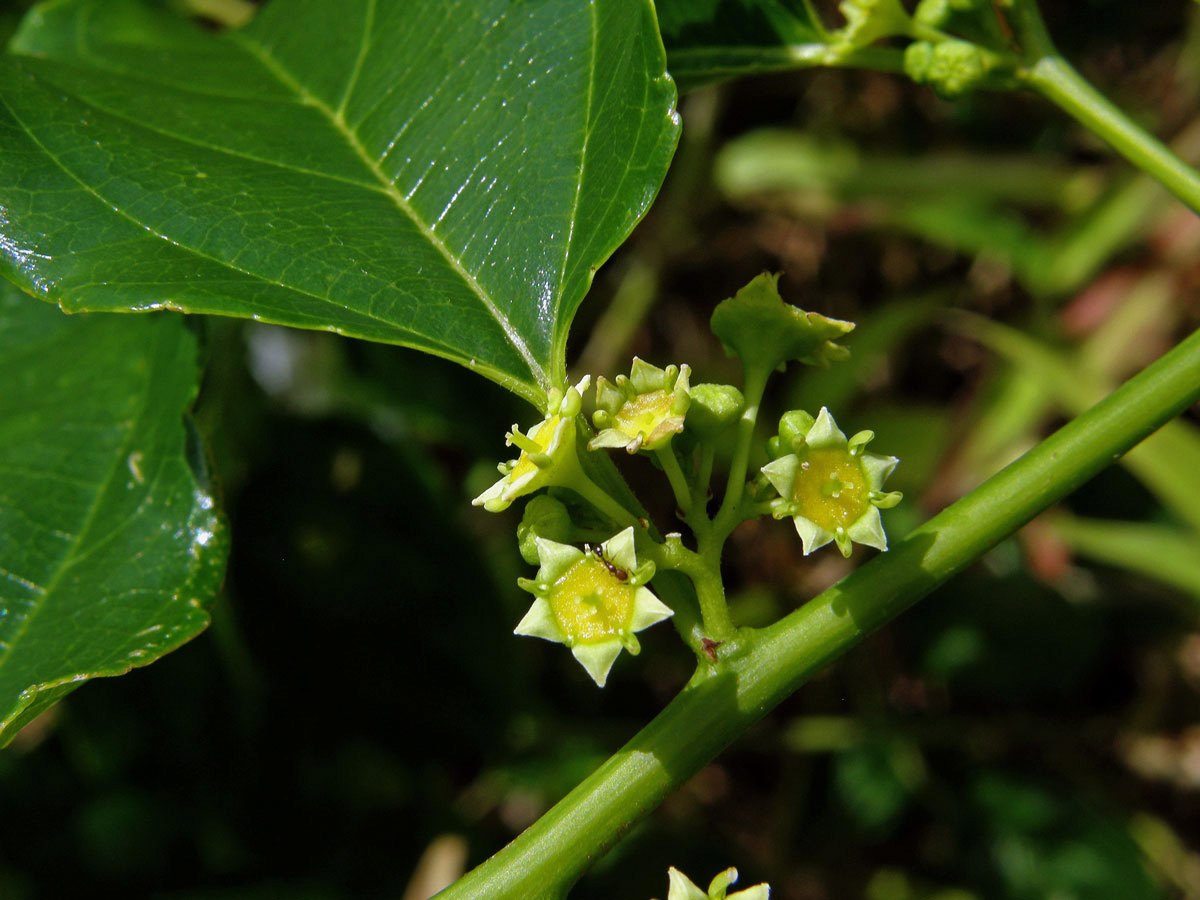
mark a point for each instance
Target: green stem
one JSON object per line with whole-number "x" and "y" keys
{"x": 704, "y": 479}
{"x": 703, "y": 569}
{"x": 587, "y": 489}
{"x": 720, "y": 703}
{"x": 727, "y": 517}
{"x": 710, "y": 592}
{"x": 1057, "y": 81}
{"x": 679, "y": 485}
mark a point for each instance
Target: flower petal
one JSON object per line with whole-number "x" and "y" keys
{"x": 609, "y": 437}
{"x": 539, "y": 622}
{"x": 555, "y": 559}
{"x": 647, "y": 610}
{"x": 812, "y": 536}
{"x": 619, "y": 549}
{"x": 782, "y": 474}
{"x": 867, "y": 530}
{"x": 825, "y": 432}
{"x": 682, "y": 887}
{"x": 877, "y": 469}
{"x": 597, "y": 658}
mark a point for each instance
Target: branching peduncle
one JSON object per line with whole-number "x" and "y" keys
{"x": 728, "y": 516}
{"x": 679, "y": 485}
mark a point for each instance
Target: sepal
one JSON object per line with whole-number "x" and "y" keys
{"x": 763, "y": 331}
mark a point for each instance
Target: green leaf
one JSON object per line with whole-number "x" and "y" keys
{"x": 715, "y": 40}
{"x": 110, "y": 542}
{"x": 443, "y": 175}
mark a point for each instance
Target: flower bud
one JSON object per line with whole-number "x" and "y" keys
{"x": 714, "y": 408}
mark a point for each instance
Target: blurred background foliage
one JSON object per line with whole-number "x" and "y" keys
{"x": 358, "y": 722}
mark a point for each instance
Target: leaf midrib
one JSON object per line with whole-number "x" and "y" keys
{"x": 339, "y": 123}
{"x": 72, "y": 556}
{"x": 365, "y": 313}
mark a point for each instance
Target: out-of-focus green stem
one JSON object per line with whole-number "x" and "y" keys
{"x": 722, "y": 701}
{"x": 728, "y": 516}
{"x": 1055, "y": 79}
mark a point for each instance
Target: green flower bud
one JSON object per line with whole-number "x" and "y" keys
{"x": 714, "y": 408}
{"x": 682, "y": 888}
{"x": 544, "y": 517}
{"x": 794, "y": 427}
{"x": 592, "y": 600}
{"x": 830, "y": 486}
{"x": 643, "y": 411}
{"x": 759, "y": 328}
{"x": 547, "y": 452}
{"x": 954, "y": 67}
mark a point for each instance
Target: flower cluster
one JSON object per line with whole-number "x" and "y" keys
{"x": 594, "y": 600}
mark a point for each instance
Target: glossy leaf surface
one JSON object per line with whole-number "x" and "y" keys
{"x": 110, "y": 542}
{"x": 444, "y": 175}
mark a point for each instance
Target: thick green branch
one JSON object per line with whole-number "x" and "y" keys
{"x": 722, "y": 702}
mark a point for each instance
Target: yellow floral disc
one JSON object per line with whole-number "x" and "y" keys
{"x": 831, "y": 488}
{"x": 644, "y": 413}
{"x": 590, "y": 603}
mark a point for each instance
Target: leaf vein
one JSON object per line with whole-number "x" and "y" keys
{"x": 510, "y": 332}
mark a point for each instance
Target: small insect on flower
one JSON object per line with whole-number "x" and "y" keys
{"x": 613, "y": 569}
{"x": 592, "y": 600}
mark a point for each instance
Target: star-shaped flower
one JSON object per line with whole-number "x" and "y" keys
{"x": 682, "y": 888}
{"x": 592, "y": 600}
{"x": 643, "y": 411}
{"x": 547, "y": 452}
{"x": 830, "y": 487}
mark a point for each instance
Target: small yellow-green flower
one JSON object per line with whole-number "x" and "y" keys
{"x": 592, "y": 600}
{"x": 643, "y": 411}
{"x": 547, "y": 452}
{"x": 682, "y": 888}
{"x": 830, "y": 487}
